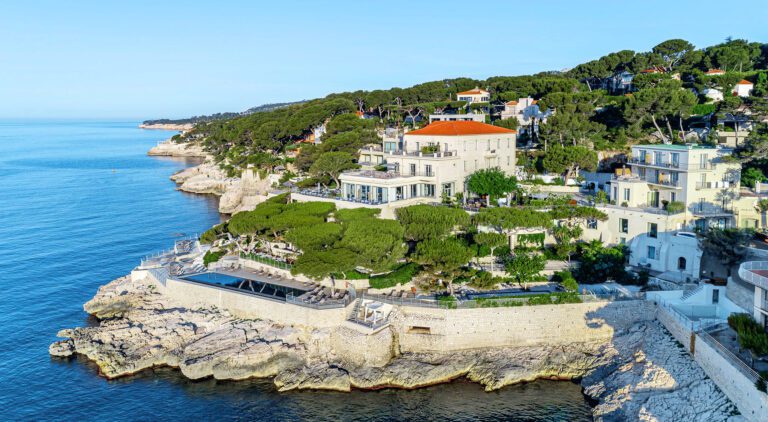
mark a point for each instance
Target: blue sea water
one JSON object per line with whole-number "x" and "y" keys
{"x": 80, "y": 203}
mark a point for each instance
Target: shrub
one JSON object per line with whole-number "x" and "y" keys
{"x": 751, "y": 334}
{"x": 447, "y": 301}
{"x": 674, "y": 207}
{"x": 401, "y": 275}
{"x": 566, "y": 279}
{"x": 211, "y": 257}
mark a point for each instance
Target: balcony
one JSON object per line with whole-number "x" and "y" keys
{"x": 712, "y": 185}
{"x": 649, "y": 163}
{"x": 665, "y": 183}
{"x": 386, "y": 175}
{"x": 437, "y": 154}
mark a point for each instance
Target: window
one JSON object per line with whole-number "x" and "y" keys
{"x": 622, "y": 241}
{"x": 448, "y": 189}
{"x": 673, "y": 197}
{"x": 681, "y": 263}
{"x": 703, "y": 158}
{"x": 626, "y": 194}
{"x": 414, "y": 191}
{"x": 715, "y": 296}
{"x": 653, "y": 230}
{"x": 429, "y": 191}
{"x": 651, "y": 252}
{"x": 428, "y": 170}
{"x": 657, "y": 158}
{"x": 623, "y": 225}
{"x": 592, "y": 223}
{"x": 412, "y": 168}
{"x": 675, "y": 159}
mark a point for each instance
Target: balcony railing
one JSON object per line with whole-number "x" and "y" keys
{"x": 436, "y": 154}
{"x": 712, "y": 185}
{"x": 385, "y": 175}
{"x": 662, "y": 182}
{"x": 639, "y": 161}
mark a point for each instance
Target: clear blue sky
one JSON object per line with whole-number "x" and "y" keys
{"x": 151, "y": 59}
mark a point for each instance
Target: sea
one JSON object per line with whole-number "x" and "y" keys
{"x": 80, "y": 204}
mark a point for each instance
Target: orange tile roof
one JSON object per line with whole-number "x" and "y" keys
{"x": 473, "y": 92}
{"x": 459, "y": 128}
{"x": 511, "y": 103}
{"x": 744, "y": 82}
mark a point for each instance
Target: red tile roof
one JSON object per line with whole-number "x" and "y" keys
{"x": 744, "y": 82}
{"x": 459, "y": 128}
{"x": 473, "y": 92}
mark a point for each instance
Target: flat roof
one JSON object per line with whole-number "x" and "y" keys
{"x": 674, "y": 147}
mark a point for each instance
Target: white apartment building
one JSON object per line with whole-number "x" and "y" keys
{"x": 692, "y": 177}
{"x": 428, "y": 165}
{"x": 475, "y": 95}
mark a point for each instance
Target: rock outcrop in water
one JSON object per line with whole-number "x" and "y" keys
{"x": 235, "y": 193}
{"x": 641, "y": 375}
{"x": 169, "y": 148}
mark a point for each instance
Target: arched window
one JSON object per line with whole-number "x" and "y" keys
{"x": 681, "y": 263}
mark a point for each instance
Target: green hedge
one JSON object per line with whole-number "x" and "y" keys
{"x": 751, "y": 334}
{"x": 210, "y": 257}
{"x": 401, "y": 275}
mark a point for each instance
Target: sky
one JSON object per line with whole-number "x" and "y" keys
{"x": 157, "y": 59}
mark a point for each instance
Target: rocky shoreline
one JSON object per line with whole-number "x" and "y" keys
{"x": 235, "y": 193}
{"x": 642, "y": 374}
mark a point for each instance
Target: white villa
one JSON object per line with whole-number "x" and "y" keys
{"x": 526, "y": 110}
{"x": 429, "y": 164}
{"x": 475, "y": 95}
{"x": 692, "y": 177}
{"x": 743, "y": 88}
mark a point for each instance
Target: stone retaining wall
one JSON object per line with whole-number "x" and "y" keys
{"x": 752, "y": 403}
{"x": 425, "y": 330}
{"x": 245, "y": 305}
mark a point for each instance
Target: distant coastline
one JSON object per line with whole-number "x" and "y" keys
{"x": 167, "y": 126}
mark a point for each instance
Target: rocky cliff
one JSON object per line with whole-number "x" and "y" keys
{"x": 640, "y": 375}
{"x": 235, "y": 193}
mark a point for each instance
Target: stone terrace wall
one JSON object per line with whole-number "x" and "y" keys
{"x": 675, "y": 326}
{"x": 244, "y": 305}
{"x": 752, "y": 403}
{"x": 425, "y": 330}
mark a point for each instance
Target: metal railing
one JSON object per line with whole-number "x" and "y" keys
{"x": 272, "y": 262}
{"x": 326, "y": 304}
{"x": 734, "y": 360}
{"x": 402, "y": 301}
{"x": 642, "y": 162}
{"x": 746, "y": 273}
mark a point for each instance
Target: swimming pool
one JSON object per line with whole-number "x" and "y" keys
{"x": 249, "y": 285}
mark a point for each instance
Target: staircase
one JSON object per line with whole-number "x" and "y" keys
{"x": 690, "y": 293}
{"x": 355, "y": 311}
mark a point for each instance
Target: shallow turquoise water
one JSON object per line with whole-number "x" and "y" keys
{"x": 80, "y": 203}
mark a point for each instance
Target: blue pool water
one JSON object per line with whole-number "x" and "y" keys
{"x": 80, "y": 203}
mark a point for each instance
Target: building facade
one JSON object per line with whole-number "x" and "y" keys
{"x": 475, "y": 95}
{"x": 661, "y": 198}
{"x": 428, "y": 165}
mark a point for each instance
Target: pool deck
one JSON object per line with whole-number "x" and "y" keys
{"x": 264, "y": 277}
